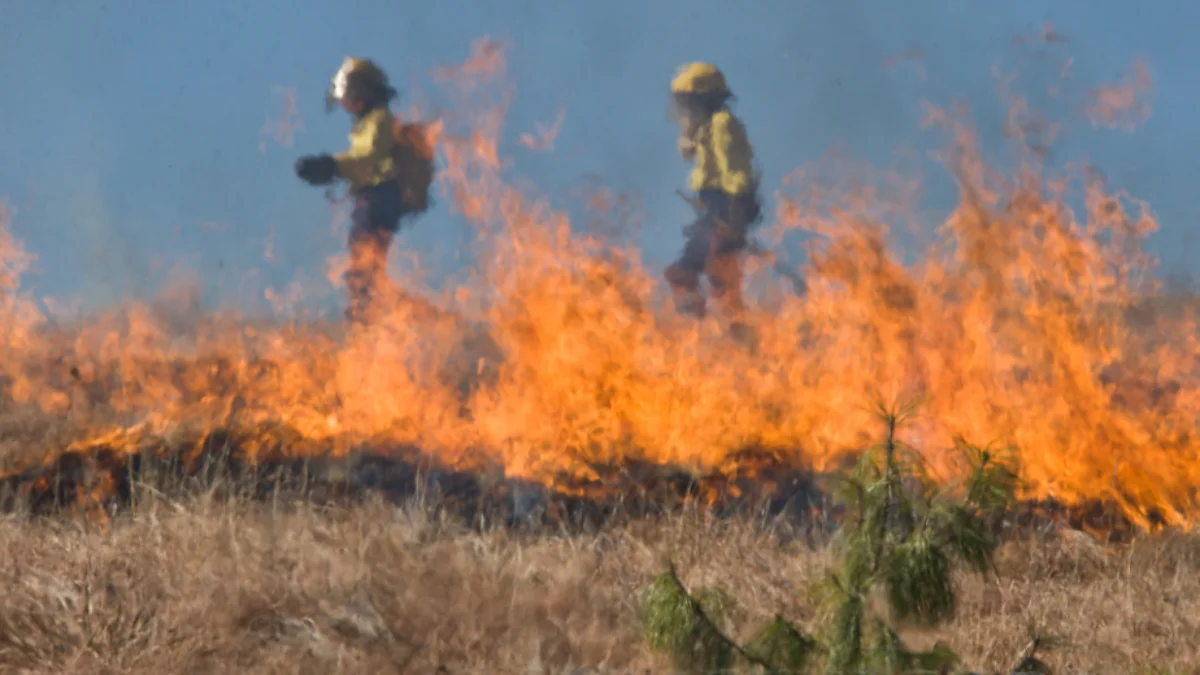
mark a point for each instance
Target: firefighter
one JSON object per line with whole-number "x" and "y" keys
{"x": 369, "y": 166}
{"x": 726, "y": 188}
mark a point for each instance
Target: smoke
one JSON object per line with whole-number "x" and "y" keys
{"x": 282, "y": 128}
{"x": 114, "y": 261}
{"x": 811, "y": 77}
{"x": 1124, "y": 104}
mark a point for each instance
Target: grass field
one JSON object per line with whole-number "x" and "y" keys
{"x": 200, "y": 584}
{"x": 242, "y": 588}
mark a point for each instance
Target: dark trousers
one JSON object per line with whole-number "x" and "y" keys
{"x": 714, "y": 252}
{"x": 374, "y": 222}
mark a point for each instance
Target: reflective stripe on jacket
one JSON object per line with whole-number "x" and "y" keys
{"x": 723, "y": 157}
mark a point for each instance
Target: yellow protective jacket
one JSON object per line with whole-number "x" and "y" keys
{"x": 370, "y": 159}
{"x": 723, "y": 156}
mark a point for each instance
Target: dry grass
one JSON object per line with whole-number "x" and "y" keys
{"x": 208, "y": 586}
{"x": 221, "y": 587}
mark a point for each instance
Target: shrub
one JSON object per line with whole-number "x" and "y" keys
{"x": 901, "y": 534}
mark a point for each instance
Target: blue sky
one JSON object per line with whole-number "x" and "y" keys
{"x": 127, "y": 124}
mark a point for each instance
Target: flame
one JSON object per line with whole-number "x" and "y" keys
{"x": 1025, "y": 324}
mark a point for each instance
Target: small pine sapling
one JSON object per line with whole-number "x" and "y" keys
{"x": 900, "y": 535}
{"x": 903, "y": 536}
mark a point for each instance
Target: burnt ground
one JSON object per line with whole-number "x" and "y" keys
{"x": 106, "y": 481}
{"x": 111, "y": 478}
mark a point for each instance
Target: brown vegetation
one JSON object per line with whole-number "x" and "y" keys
{"x": 212, "y": 585}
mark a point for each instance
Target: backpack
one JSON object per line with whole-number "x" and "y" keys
{"x": 413, "y": 154}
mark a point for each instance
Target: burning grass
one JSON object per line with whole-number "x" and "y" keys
{"x": 553, "y": 389}
{"x": 555, "y": 362}
{"x": 100, "y": 482}
{"x": 101, "y": 478}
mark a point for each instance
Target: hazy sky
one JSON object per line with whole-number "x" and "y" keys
{"x": 132, "y": 130}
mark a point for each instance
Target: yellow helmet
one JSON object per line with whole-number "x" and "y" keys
{"x": 354, "y": 77}
{"x": 699, "y": 78}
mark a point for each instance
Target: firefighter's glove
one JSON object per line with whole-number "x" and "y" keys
{"x": 316, "y": 169}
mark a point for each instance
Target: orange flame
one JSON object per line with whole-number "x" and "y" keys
{"x": 1018, "y": 327}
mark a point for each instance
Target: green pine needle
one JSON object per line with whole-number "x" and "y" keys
{"x": 676, "y": 624}
{"x": 781, "y": 648}
{"x": 845, "y": 648}
{"x": 968, "y": 537}
{"x": 918, "y": 582}
{"x": 939, "y": 658}
{"x": 900, "y": 531}
{"x": 992, "y": 483}
{"x": 887, "y": 652}
{"x": 716, "y": 604}
{"x": 666, "y": 615}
